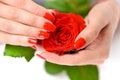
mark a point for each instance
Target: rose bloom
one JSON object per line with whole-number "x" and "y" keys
{"x": 68, "y": 26}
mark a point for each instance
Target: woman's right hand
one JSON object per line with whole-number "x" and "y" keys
{"x": 22, "y": 22}
{"x": 101, "y": 24}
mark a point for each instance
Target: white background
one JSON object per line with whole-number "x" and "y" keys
{"x": 19, "y": 69}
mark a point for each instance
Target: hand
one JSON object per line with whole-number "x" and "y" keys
{"x": 22, "y": 22}
{"x": 95, "y": 38}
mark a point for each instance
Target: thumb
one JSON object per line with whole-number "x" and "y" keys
{"x": 90, "y": 33}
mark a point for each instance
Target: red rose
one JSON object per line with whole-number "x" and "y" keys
{"x": 68, "y": 26}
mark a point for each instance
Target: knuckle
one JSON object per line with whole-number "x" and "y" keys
{"x": 7, "y": 25}
{"x": 26, "y": 30}
{"x": 29, "y": 31}
{"x": 37, "y": 11}
{"x": 14, "y": 15}
{"x": 33, "y": 20}
{"x": 21, "y": 3}
{"x": 37, "y": 21}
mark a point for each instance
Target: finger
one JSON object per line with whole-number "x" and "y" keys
{"x": 95, "y": 22}
{"x": 25, "y": 17}
{"x": 84, "y": 57}
{"x": 20, "y": 29}
{"x": 17, "y": 40}
{"x": 68, "y": 59}
{"x": 31, "y": 7}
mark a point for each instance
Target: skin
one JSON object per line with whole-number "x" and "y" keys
{"x": 21, "y": 20}
{"x": 101, "y": 23}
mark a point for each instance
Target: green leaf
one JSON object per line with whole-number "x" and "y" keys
{"x": 53, "y": 68}
{"x": 81, "y": 7}
{"x": 88, "y": 72}
{"x": 19, "y": 51}
{"x": 60, "y": 5}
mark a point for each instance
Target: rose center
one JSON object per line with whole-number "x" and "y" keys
{"x": 63, "y": 35}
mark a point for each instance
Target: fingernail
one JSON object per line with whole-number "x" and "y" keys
{"x": 33, "y": 47}
{"x": 40, "y": 56}
{"x": 32, "y": 41}
{"x": 50, "y": 27}
{"x": 49, "y": 16}
{"x": 80, "y": 43}
{"x": 43, "y": 35}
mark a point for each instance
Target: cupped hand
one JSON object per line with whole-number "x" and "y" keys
{"x": 96, "y": 38}
{"x": 22, "y": 22}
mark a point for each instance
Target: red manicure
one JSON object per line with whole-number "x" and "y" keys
{"x": 32, "y": 41}
{"x": 80, "y": 43}
{"x": 40, "y": 56}
{"x": 49, "y": 17}
{"x": 44, "y": 34}
{"x": 49, "y": 26}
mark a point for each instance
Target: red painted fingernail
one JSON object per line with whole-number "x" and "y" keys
{"x": 33, "y": 47}
{"x": 40, "y": 56}
{"x": 43, "y": 34}
{"x": 80, "y": 43}
{"x": 50, "y": 27}
{"x": 49, "y": 17}
{"x": 32, "y": 41}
